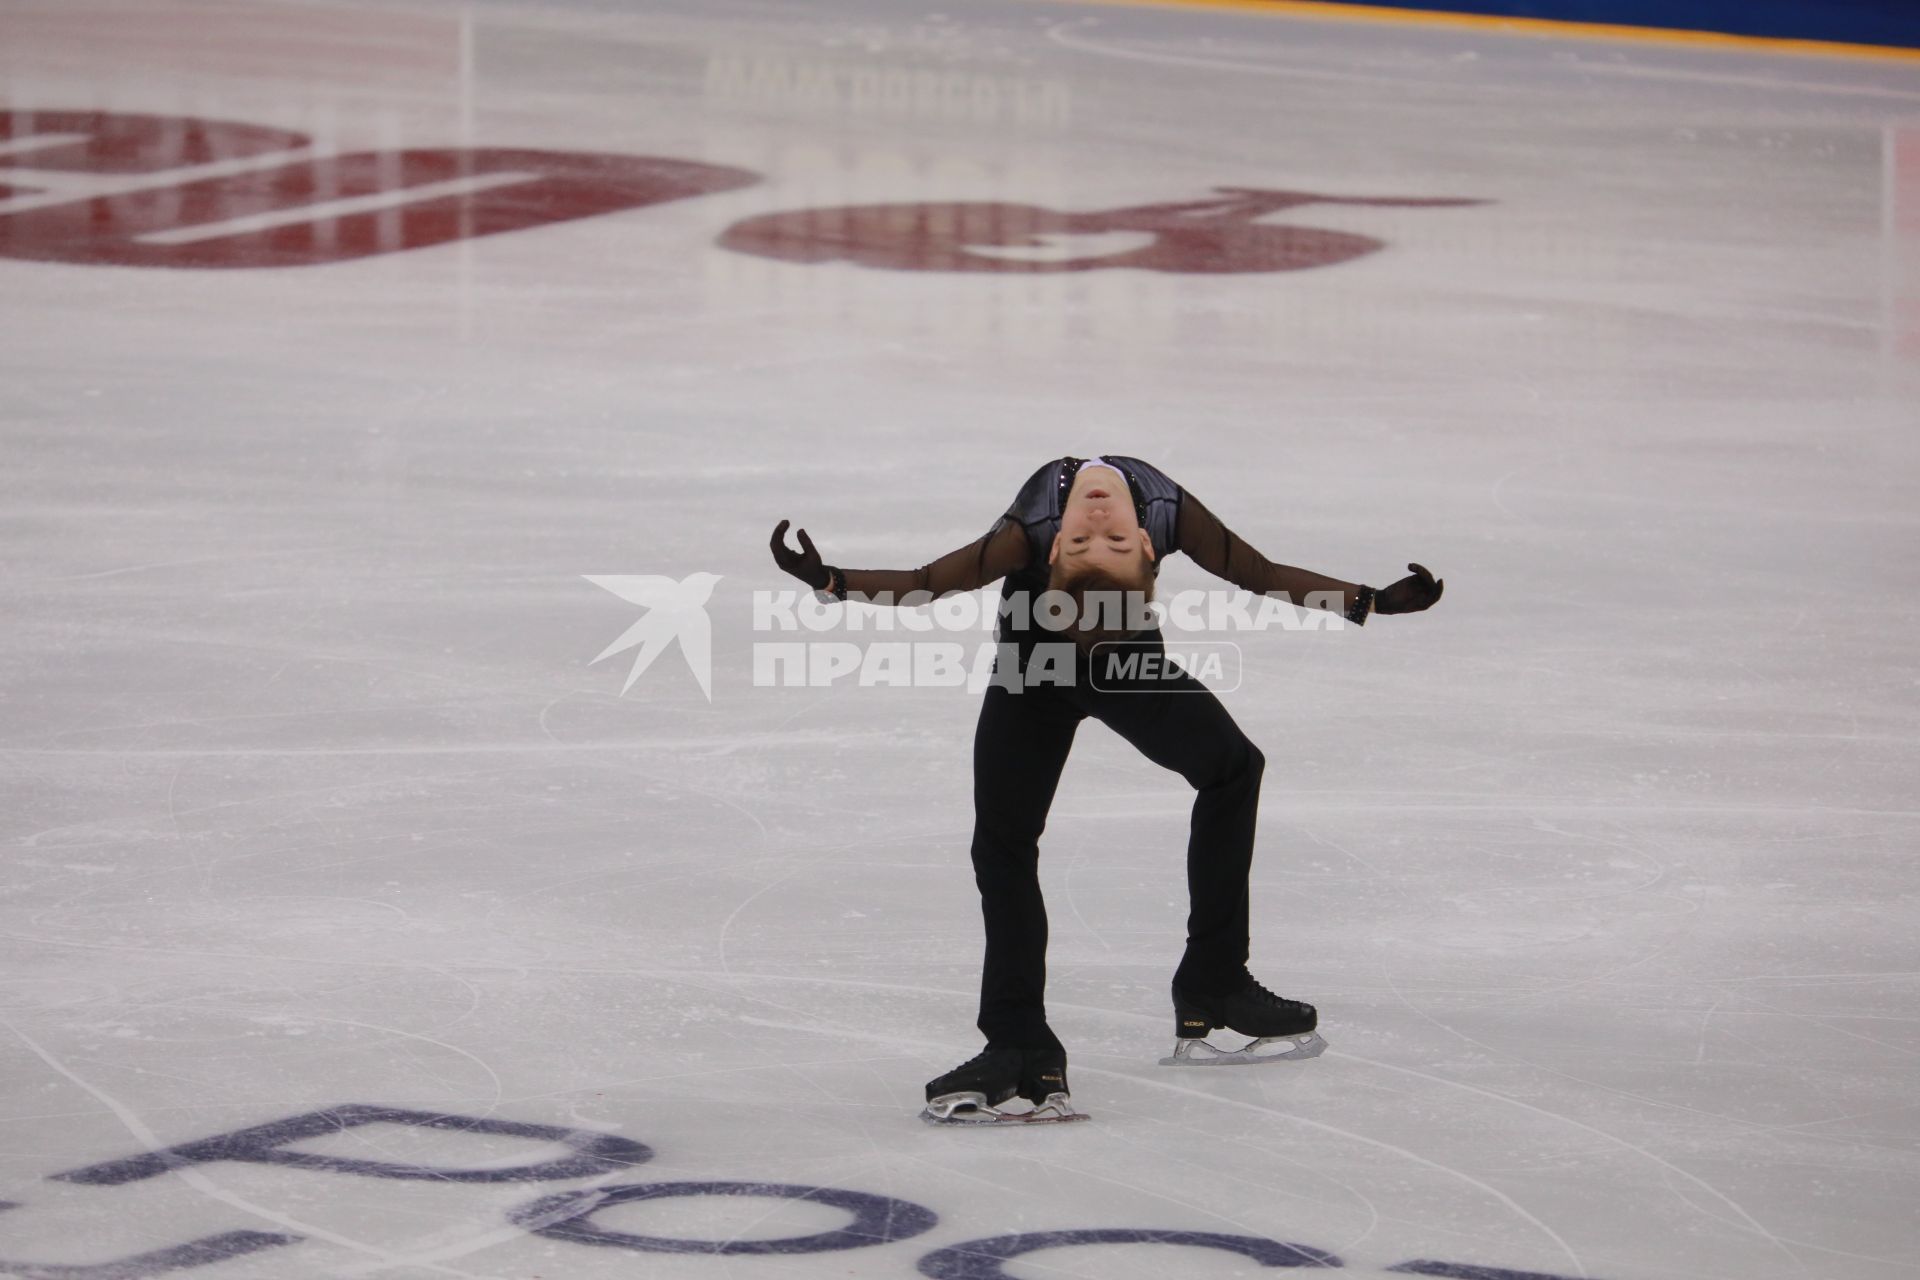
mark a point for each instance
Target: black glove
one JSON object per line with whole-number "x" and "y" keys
{"x": 803, "y": 564}
{"x": 1410, "y": 594}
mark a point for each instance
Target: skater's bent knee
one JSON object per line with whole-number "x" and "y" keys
{"x": 1241, "y": 768}
{"x": 999, "y": 843}
{"x": 1239, "y": 765}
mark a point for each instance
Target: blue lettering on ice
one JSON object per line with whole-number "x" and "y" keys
{"x": 198, "y": 1253}
{"x": 986, "y": 1259}
{"x": 569, "y": 1215}
{"x": 1468, "y": 1271}
{"x": 876, "y": 1219}
{"x": 593, "y": 1153}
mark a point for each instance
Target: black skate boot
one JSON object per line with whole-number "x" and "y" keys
{"x": 972, "y": 1092}
{"x": 1283, "y": 1029}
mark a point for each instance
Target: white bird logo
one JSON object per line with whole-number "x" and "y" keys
{"x": 675, "y": 611}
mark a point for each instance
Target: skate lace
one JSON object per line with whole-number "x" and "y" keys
{"x": 1271, "y": 1000}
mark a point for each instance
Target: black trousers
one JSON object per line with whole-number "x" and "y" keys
{"x": 1019, "y": 749}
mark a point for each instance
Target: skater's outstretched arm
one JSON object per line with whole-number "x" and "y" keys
{"x": 986, "y": 559}
{"x": 1221, "y": 551}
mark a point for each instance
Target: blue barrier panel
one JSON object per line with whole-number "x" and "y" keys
{"x": 1887, "y": 22}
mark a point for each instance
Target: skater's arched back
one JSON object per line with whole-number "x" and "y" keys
{"x": 1081, "y": 526}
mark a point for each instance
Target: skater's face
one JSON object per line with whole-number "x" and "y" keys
{"x": 1099, "y": 530}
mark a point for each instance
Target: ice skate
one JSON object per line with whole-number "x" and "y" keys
{"x": 1282, "y": 1029}
{"x": 973, "y": 1092}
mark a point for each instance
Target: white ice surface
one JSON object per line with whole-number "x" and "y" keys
{"x": 1603, "y": 873}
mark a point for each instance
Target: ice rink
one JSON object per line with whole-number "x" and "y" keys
{"x": 339, "y": 345}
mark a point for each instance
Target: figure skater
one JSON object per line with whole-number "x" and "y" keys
{"x": 1085, "y": 527}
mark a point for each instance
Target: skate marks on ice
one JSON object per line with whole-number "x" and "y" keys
{"x": 572, "y": 1212}
{"x": 1669, "y": 1170}
{"x": 569, "y": 1216}
{"x": 1173, "y": 1084}
{"x": 592, "y": 1154}
{"x": 1412, "y": 1157}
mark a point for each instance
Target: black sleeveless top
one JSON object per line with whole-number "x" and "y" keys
{"x": 1037, "y": 509}
{"x": 1176, "y": 520}
{"x": 1042, "y": 499}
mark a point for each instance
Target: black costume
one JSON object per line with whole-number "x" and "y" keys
{"x": 1023, "y": 738}
{"x": 1027, "y": 723}
{"x": 1016, "y": 547}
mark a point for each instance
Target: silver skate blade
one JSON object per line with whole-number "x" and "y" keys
{"x": 959, "y": 1108}
{"x": 1198, "y": 1053}
{"x": 972, "y": 1109}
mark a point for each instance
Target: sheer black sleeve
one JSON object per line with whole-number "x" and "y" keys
{"x": 993, "y": 555}
{"x": 1222, "y": 552}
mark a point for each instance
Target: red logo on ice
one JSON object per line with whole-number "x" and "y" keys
{"x": 1216, "y": 235}
{"x": 97, "y": 201}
